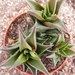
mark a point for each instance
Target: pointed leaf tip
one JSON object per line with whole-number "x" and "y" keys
{"x": 11, "y": 60}
{"x": 57, "y": 24}
{"x": 52, "y": 5}
{"x": 41, "y": 48}
{"x": 37, "y": 14}
{"x": 20, "y": 60}
{"x": 58, "y": 6}
{"x": 23, "y": 43}
{"x": 38, "y": 65}
{"x": 34, "y": 5}
{"x": 31, "y": 39}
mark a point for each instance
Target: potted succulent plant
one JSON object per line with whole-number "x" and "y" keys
{"x": 45, "y": 40}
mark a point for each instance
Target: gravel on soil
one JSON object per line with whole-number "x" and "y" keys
{"x": 9, "y": 9}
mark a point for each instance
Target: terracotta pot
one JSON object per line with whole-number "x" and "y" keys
{"x": 4, "y": 44}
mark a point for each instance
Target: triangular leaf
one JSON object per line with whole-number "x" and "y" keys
{"x": 40, "y": 27}
{"x": 44, "y": 15}
{"x": 58, "y": 6}
{"x": 55, "y": 61}
{"x": 31, "y": 39}
{"x": 53, "y": 31}
{"x": 33, "y": 55}
{"x": 34, "y": 5}
{"x": 69, "y": 52}
{"x": 47, "y": 11}
{"x": 52, "y": 56}
{"x": 55, "y": 58}
{"x": 63, "y": 45}
{"x": 60, "y": 25}
{"x": 56, "y": 24}
{"x": 33, "y": 70}
{"x": 11, "y": 50}
{"x": 11, "y": 60}
{"x": 35, "y": 63}
{"x": 52, "y": 5}
{"x": 20, "y": 60}
{"x": 61, "y": 38}
{"x": 61, "y": 52}
{"x": 41, "y": 48}
{"x": 37, "y": 14}
{"x": 23, "y": 43}
{"x": 40, "y": 40}
{"x": 53, "y": 39}
{"x": 51, "y": 18}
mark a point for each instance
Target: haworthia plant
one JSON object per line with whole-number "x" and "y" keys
{"x": 48, "y": 14}
{"x": 61, "y": 48}
{"x": 26, "y": 52}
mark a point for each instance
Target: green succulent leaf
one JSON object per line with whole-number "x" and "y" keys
{"x": 10, "y": 61}
{"x": 58, "y": 51}
{"x": 58, "y": 6}
{"x": 34, "y": 5}
{"x": 31, "y": 39}
{"x": 11, "y": 50}
{"x": 52, "y": 5}
{"x": 51, "y": 18}
{"x": 42, "y": 48}
{"x": 26, "y": 51}
{"x": 35, "y": 63}
{"x": 60, "y": 25}
{"x": 40, "y": 27}
{"x": 56, "y": 24}
{"x": 53, "y": 31}
{"x": 20, "y": 60}
{"x": 46, "y": 11}
{"x": 61, "y": 53}
{"x": 33, "y": 55}
{"x": 55, "y": 58}
{"x": 69, "y": 52}
{"x": 53, "y": 39}
{"x": 23, "y": 43}
{"x": 33, "y": 70}
{"x": 37, "y": 14}
{"x": 44, "y": 16}
{"x": 70, "y": 46}
{"x": 55, "y": 61}
{"x": 63, "y": 45}
{"x": 40, "y": 40}
{"x": 49, "y": 24}
{"x": 60, "y": 38}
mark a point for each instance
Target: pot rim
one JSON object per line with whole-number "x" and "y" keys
{"x": 4, "y": 45}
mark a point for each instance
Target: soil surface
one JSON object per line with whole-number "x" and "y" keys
{"x": 23, "y": 21}
{"x": 9, "y": 9}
